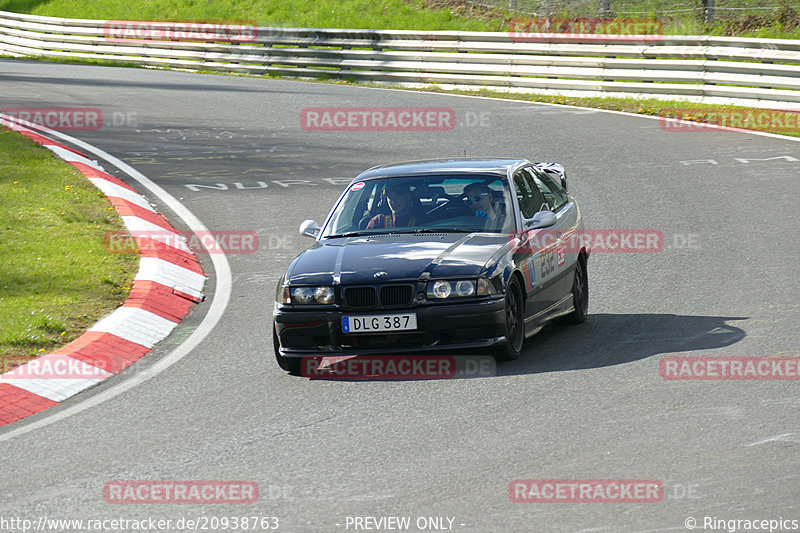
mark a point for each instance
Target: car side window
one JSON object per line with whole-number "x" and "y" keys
{"x": 528, "y": 195}
{"x": 553, "y": 193}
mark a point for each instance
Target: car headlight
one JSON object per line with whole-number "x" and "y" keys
{"x": 439, "y": 290}
{"x": 308, "y": 295}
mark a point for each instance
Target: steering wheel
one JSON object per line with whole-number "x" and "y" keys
{"x": 362, "y": 224}
{"x": 448, "y": 202}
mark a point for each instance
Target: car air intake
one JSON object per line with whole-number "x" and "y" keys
{"x": 360, "y": 296}
{"x": 396, "y": 294}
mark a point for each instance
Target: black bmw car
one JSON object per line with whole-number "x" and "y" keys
{"x": 428, "y": 256}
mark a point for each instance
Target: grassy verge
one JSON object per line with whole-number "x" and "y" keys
{"x": 56, "y": 279}
{"x": 386, "y": 14}
{"x": 782, "y": 21}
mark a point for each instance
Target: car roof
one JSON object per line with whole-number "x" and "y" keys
{"x": 443, "y": 167}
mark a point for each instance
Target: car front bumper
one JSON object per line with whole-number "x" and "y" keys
{"x": 442, "y": 326}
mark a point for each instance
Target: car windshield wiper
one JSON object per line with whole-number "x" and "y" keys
{"x": 401, "y": 232}
{"x": 364, "y": 234}
{"x": 441, "y": 230}
{"x": 350, "y": 234}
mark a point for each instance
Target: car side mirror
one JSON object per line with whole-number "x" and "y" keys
{"x": 310, "y": 228}
{"x": 542, "y": 219}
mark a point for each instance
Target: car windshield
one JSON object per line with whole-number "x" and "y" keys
{"x": 419, "y": 204}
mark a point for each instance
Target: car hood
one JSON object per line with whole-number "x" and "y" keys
{"x": 361, "y": 260}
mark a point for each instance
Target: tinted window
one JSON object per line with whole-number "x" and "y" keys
{"x": 553, "y": 193}
{"x": 530, "y": 199}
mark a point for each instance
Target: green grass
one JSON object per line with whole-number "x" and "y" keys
{"x": 56, "y": 279}
{"x": 388, "y": 14}
{"x": 780, "y": 22}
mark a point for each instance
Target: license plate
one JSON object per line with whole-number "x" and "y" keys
{"x": 379, "y": 323}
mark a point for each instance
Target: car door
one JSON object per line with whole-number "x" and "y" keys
{"x": 565, "y": 229}
{"x": 535, "y": 257}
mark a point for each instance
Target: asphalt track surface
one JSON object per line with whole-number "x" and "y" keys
{"x": 584, "y": 402}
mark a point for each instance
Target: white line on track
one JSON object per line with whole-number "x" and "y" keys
{"x": 222, "y": 292}
{"x": 786, "y": 437}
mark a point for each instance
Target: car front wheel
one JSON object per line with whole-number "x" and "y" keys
{"x": 515, "y": 324}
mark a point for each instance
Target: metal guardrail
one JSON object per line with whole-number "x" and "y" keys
{"x": 755, "y": 72}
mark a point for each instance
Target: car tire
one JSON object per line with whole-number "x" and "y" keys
{"x": 580, "y": 295}
{"x": 515, "y": 324}
{"x": 289, "y": 364}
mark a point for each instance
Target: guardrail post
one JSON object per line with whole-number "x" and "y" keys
{"x": 708, "y": 11}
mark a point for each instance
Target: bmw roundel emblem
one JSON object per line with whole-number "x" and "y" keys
{"x": 380, "y": 274}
